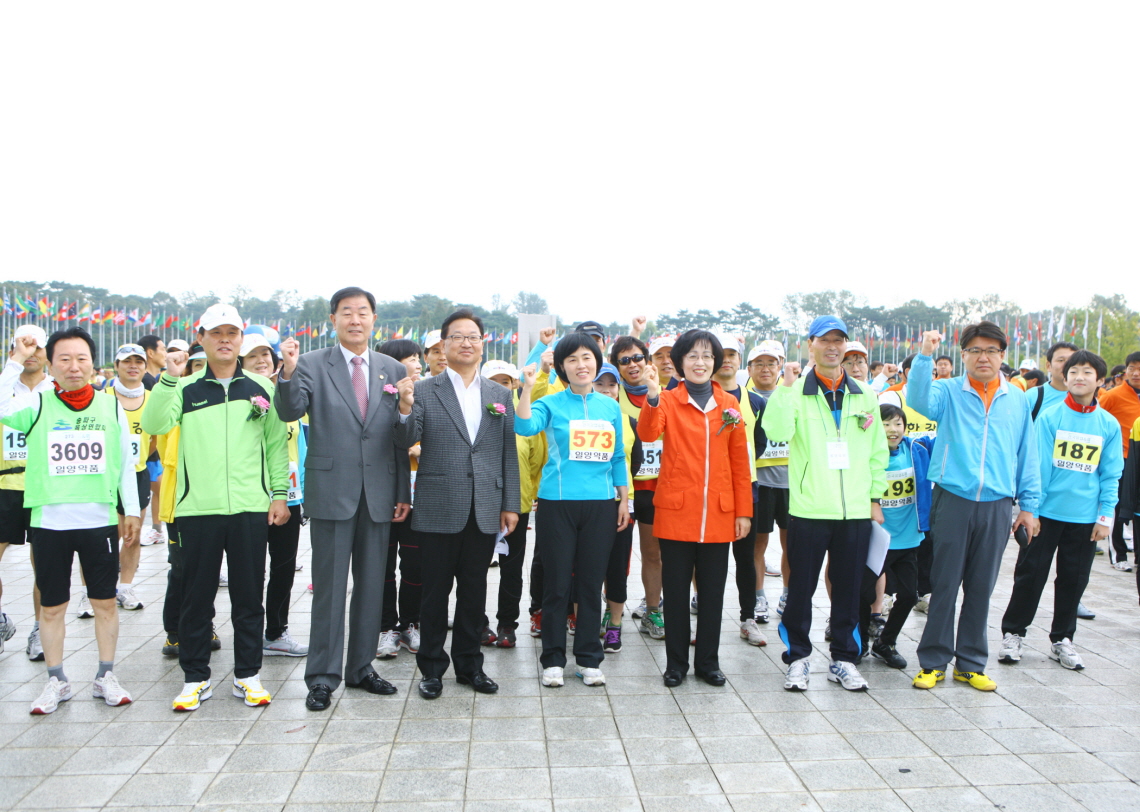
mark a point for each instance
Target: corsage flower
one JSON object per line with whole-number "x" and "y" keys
{"x": 496, "y": 409}
{"x": 391, "y": 390}
{"x": 731, "y": 418}
{"x": 259, "y": 407}
{"x": 865, "y": 419}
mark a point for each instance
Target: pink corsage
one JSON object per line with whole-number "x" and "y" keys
{"x": 866, "y": 419}
{"x": 731, "y": 419}
{"x": 391, "y": 390}
{"x": 259, "y": 408}
{"x": 496, "y": 409}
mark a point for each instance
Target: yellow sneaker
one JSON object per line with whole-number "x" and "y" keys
{"x": 250, "y": 690}
{"x": 928, "y": 677}
{"x": 976, "y": 679}
{"x": 193, "y": 694}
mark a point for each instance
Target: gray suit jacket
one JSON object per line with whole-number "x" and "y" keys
{"x": 345, "y": 452}
{"x": 453, "y": 471}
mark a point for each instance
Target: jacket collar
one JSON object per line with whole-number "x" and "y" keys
{"x": 812, "y": 387}
{"x": 210, "y": 376}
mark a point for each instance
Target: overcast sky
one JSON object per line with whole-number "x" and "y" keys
{"x": 612, "y": 157}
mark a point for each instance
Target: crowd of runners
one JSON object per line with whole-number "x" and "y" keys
{"x": 418, "y": 467}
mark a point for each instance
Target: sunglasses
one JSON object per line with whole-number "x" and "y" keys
{"x": 625, "y": 360}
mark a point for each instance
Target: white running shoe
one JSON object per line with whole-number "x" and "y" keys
{"x": 127, "y": 598}
{"x": 7, "y": 629}
{"x": 799, "y": 672}
{"x": 888, "y": 604}
{"x": 590, "y": 676}
{"x": 283, "y": 646}
{"x": 389, "y": 644}
{"x": 1064, "y": 653}
{"x": 54, "y": 693}
{"x": 641, "y": 611}
{"x": 410, "y": 638}
{"x": 923, "y": 603}
{"x": 192, "y": 696}
{"x": 251, "y": 690}
{"x": 783, "y": 602}
{"x": 152, "y": 537}
{"x": 108, "y": 689}
{"x": 1123, "y": 566}
{"x": 847, "y": 675}
{"x": 34, "y": 649}
{"x": 83, "y": 608}
{"x": 751, "y": 632}
{"x": 761, "y": 611}
{"x": 552, "y": 677}
{"x": 1010, "y": 651}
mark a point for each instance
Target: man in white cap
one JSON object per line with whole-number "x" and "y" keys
{"x": 855, "y": 360}
{"x": 433, "y": 354}
{"x": 232, "y": 483}
{"x": 659, "y": 353}
{"x": 14, "y": 517}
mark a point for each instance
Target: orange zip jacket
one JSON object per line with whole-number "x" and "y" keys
{"x": 705, "y": 482}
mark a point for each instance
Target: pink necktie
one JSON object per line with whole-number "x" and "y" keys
{"x": 360, "y": 386}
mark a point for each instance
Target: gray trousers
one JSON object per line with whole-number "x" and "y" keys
{"x": 969, "y": 539}
{"x": 362, "y": 544}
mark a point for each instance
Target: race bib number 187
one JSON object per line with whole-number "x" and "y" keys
{"x": 1077, "y": 452}
{"x": 591, "y": 440}
{"x": 71, "y": 453}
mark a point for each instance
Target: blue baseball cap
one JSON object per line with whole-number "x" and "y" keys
{"x": 822, "y": 325}
{"x": 610, "y": 368}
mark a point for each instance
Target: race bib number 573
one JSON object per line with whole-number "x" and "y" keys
{"x": 1077, "y": 452}
{"x": 591, "y": 440}
{"x": 71, "y": 453}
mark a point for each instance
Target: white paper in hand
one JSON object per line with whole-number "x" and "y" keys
{"x": 501, "y": 546}
{"x": 877, "y": 549}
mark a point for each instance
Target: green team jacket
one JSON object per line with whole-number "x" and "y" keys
{"x": 227, "y": 462}
{"x": 800, "y": 415}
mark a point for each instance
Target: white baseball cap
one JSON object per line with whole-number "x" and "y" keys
{"x": 767, "y": 348}
{"x": 251, "y": 342}
{"x": 219, "y": 314}
{"x": 432, "y": 338}
{"x": 178, "y": 345}
{"x": 856, "y": 346}
{"x": 660, "y": 343}
{"x": 492, "y": 368}
{"x": 1027, "y": 364}
{"x": 127, "y": 350}
{"x": 33, "y": 330}
{"x": 729, "y": 341}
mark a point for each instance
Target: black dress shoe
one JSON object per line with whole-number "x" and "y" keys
{"x": 374, "y": 684}
{"x": 673, "y": 678}
{"x": 479, "y": 681}
{"x": 431, "y": 687}
{"x": 319, "y": 698}
{"x": 713, "y": 677}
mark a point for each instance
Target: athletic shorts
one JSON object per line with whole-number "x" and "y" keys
{"x": 55, "y": 550}
{"x": 643, "y": 506}
{"x": 154, "y": 468}
{"x": 143, "y": 480}
{"x": 771, "y": 508}
{"x": 15, "y": 519}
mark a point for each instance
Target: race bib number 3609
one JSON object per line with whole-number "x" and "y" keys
{"x": 1077, "y": 452}
{"x": 592, "y": 440}
{"x": 71, "y": 453}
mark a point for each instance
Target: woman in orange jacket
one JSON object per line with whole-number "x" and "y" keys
{"x": 703, "y": 499}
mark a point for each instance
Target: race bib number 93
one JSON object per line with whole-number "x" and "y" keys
{"x": 900, "y": 489}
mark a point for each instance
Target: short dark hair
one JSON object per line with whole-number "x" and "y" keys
{"x": 1117, "y": 370}
{"x": 461, "y": 313}
{"x": 622, "y": 344}
{"x": 1133, "y": 358}
{"x": 1006, "y": 370}
{"x": 401, "y": 348}
{"x": 690, "y": 339}
{"x": 906, "y": 362}
{"x": 71, "y": 332}
{"x": 570, "y": 344}
{"x": 1087, "y": 357}
{"x": 149, "y": 343}
{"x": 984, "y": 329}
{"x": 1060, "y": 345}
{"x": 889, "y": 410}
{"x": 944, "y": 358}
{"x": 1035, "y": 375}
{"x": 348, "y": 293}
{"x": 875, "y": 365}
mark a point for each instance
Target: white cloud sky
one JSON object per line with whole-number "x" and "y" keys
{"x": 612, "y": 157}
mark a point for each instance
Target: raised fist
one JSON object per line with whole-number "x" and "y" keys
{"x": 652, "y": 382}
{"x": 530, "y": 373}
{"x": 290, "y": 352}
{"x": 791, "y": 372}
{"x": 637, "y": 326}
{"x": 930, "y": 341}
{"x": 546, "y": 335}
{"x": 407, "y": 389}
{"x": 547, "y": 361}
{"x": 176, "y": 363}
{"x": 25, "y": 348}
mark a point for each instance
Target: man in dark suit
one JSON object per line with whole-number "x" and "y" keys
{"x": 356, "y": 484}
{"x": 467, "y": 489}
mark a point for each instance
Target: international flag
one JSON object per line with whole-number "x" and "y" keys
{"x": 145, "y": 319}
{"x": 514, "y": 338}
{"x": 169, "y": 321}
{"x": 44, "y": 307}
{"x": 304, "y": 331}
{"x": 85, "y": 313}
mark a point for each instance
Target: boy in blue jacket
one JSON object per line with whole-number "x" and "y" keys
{"x": 906, "y": 514}
{"x": 1081, "y": 459}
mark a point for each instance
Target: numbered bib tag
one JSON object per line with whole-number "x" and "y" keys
{"x": 650, "y": 459}
{"x": 775, "y": 451}
{"x": 837, "y": 457}
{"x": 72, "y": 453}
{"x": 900, "y": 489}
{"x": 15, "y": 444}
{"x": 1074, "y": 451}
{"x": 591, "y": 440}
{"x": 294, "y": 483}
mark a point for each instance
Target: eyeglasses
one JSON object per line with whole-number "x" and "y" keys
{"x": 626, "y": 360}
{"x": 766, "y": 364}
{"x": 992, "y": 352}
{"x": 472, "y": 340}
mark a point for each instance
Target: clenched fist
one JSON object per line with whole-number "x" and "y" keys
{"x": 637, "y": 326}
{"x": 652, "y": 382}
{"x": 791, "y": 372}
{"x": 25, "y": 348}
{"x": 176, "y": 363}
{"x": 546, "y": 335}
{"x": 930, "y": 341}
{"x": 529, "y": 374}
{"x": 290, "y": 352}
{"x": 407, "y": 389}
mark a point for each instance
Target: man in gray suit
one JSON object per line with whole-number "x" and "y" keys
{"x": 356, "y": 483}
{"x": 467, "y": 490}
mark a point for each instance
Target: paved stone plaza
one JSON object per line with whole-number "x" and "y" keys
{"x": 1048, "y": 739}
